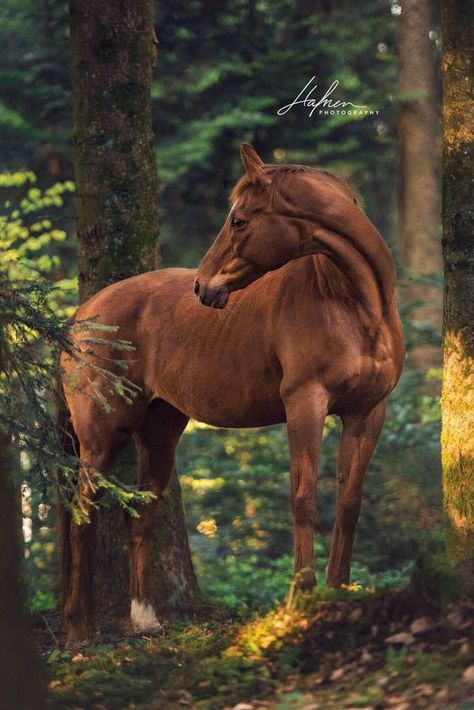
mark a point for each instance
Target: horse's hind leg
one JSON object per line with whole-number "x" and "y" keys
{"x": 358, "y": 440}
{"x": 156, "y": 442}
{"x": 78, "y": 606}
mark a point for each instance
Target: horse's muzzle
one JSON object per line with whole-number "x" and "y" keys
{"x": 212, "y": 297}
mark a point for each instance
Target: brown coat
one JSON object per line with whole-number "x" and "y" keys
{"x": 304, "y": 324}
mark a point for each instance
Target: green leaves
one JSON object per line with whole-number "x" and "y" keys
{"x": 33, "y": 312}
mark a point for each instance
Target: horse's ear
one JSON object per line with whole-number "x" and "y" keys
{"x": 253, "y": 165}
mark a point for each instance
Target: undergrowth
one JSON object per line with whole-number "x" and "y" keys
{"x": 217, "y": 662}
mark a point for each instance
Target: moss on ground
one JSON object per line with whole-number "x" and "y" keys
{"x": 330, "y": 650}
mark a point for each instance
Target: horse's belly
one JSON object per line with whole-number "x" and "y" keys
{"x": 248, "y": 414}
{"x": 225, "y": 401}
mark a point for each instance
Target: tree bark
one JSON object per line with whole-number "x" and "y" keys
{"x": 112, "y": 60}
{"x": 20, "y": 683}
{"x": 419, "y": 169}
{"x": 457, "y": 439}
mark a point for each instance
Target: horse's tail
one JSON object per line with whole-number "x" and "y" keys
{"x": 69, "y": 444}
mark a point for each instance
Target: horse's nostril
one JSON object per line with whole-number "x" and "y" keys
{"x": 197, "y": 288}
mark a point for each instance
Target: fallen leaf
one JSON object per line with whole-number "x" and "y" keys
{"x": 338, "y": 673}
{"x": 421, "y": 625}
{"x": 468, "y": 675}
{"x": 455, "y": 618}
{"x": 404, "y": 638}
{"x": 424, "y": 689}
{"x": 79, "y": 657}
{"x": 356, "y": 614}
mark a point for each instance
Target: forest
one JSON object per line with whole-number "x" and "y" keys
{"x": 139, "y": 572}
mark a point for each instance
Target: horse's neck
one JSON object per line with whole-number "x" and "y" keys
{"x": 332, "y": 282}
{"x": 354, "y": 265}
{"x": 337, "y": 228}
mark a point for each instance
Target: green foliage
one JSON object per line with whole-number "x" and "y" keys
{"x": 437, "y": 579}
{"x": 33, "y": 306}
{"x": 232, "y": 68}
{"x": 117, "y": 673}
{"x": 34, "y": 82}
{"x": 222, "y": 73}
{"x": 32, "y": 317}
{"x": 245, "y": 582}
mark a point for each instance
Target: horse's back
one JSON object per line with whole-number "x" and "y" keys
{"x": 225, "y": 367}
{"x": 123, "y": 297}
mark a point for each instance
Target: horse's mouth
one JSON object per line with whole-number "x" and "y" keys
{"x": 215, "y": 298}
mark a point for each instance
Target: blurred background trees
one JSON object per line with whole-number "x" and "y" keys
{"x": 223, "y": 70}
{"x": 419, "y": 174}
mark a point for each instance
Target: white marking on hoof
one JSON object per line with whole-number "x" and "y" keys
{"x": 143, "y": 617}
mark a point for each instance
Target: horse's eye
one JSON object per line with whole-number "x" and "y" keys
{"x": 238, "y": 223}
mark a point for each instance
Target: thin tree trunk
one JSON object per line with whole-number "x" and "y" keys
{"x": 112, "y": 60}
{"x": 419, "y": 168}
{"x": 20, "y": 683}
{"x": 457, "y": 439}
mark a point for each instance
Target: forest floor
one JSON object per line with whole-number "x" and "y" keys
{"x": 403, "y": 649}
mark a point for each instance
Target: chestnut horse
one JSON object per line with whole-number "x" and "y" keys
{"x": 312, "y": 330}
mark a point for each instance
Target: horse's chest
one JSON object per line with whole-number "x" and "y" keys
{"x": 367, "y": 379}
{"x": 352, "y": 369}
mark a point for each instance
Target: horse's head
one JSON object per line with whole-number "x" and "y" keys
{"x": 255, "y": 238}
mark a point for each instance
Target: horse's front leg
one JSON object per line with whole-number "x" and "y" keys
{"x": 306, "y": 409}
{"x": 359, "y": 437}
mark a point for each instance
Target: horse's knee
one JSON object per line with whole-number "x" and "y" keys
{"x": 304, "y": 507}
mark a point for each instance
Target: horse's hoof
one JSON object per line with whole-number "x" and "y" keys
{"x": 337, "y": 583}
{"x": 338, "y": 578}
{"x": 305, "y": 580}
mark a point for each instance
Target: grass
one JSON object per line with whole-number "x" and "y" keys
{"x": 217, "y": 662}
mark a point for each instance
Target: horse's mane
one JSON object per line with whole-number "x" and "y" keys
{"x": 330, "y": 283}
{"x": 280, "y": 173}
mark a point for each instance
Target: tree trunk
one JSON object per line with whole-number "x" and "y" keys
{"x": 20, "y": 683}
{"x": 457, "y": 439}
{"x": 112, "y": 60}
{"x": 419, "y": 169}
